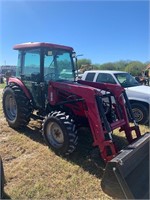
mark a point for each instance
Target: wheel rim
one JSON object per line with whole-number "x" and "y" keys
{"x": 138, "y": 114}
{"x": 55, "y": 134}
{"x": 10, "y": 107}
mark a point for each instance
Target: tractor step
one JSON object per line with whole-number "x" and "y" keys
{"x": 127, "y": 175}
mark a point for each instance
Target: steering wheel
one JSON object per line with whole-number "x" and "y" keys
{"x": 124, "y": 83}
{"x": 49, "y": 76}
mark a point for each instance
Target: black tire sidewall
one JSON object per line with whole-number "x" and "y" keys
{"x": 143, "y": 109}
{"x": 9, "y": 91}
{"x": 66, "y": 139}
{"x": 23, "y": 109}
{"x": 69, "y": 134}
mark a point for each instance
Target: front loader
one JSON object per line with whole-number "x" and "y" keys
{"x": 46, "y": 88}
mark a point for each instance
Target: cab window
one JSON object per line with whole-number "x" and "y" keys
{"x": 90, "y": 77}
{"x": 105, "y": 78}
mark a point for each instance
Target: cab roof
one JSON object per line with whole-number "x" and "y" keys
{"x": 32, "y": 45}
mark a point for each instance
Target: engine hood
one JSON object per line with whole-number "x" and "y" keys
{"x": 143, "y": 89}
{"x": 139, "y": 93}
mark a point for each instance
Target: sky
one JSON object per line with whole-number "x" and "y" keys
{"x": 102, "y": 31}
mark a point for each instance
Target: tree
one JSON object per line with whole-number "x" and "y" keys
{"x": 84, "y": 65}
{"x": 96, "y": 66}
{"x": 82, "y": 62}
{"x": 120, "y": 65}
{"x": 107, "y": 66}
{"x": 135, "y": 68}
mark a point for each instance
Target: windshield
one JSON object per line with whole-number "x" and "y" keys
{"x": 126, "y": 80}
{"x": 58, "y": 65}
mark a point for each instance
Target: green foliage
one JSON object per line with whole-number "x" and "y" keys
{"x": 135, "y": 68}
{"x": 107, "y": 66}
{"x": 96, "y": 66}
{"x": 2, "y": 85}
{"x": 120, "y": 65}
{"x": 83, "y": 62}
{"x": 84, "y": 65}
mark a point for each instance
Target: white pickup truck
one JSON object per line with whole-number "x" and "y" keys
{"x": 138, "y": 95}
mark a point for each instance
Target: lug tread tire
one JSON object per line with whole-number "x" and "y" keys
{"x": 24, "y": 108}
{"x": 69, "y": 131}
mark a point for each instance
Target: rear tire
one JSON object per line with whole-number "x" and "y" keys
{"x": 16, "y": 107}
{"x": 140, "y": 112}
{"x": 60, "y": 133}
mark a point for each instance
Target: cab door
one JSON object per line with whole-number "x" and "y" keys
{"x": 31, "y": 75}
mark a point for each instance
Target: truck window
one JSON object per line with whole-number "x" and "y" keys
{"x": 126, "y": 80}
{"x": 105, "y": 78}
{"x": 90, "y": 77}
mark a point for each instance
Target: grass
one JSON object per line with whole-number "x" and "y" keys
{"x": 33, "y": 171}
{"x": 2, "y": 85}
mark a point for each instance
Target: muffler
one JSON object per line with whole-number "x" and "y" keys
{"x": 127, "y": 175}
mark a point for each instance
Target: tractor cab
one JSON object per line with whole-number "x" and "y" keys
{"x": 39, "y": 63}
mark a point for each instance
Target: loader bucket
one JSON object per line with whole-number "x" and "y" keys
{"x": 127, "y": 175}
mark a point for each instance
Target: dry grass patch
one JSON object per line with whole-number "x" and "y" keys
{"x": 34, "y": 171}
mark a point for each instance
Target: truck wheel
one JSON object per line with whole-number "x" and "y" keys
{"x": 140, "y": 113}
{"x": 60, "y": 133}
{"x": 16, "y": 107}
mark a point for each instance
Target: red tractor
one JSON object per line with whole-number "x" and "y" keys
{"x": 45, "y": 88}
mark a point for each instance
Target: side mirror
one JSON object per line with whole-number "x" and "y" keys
{"x": 73, "y": 54}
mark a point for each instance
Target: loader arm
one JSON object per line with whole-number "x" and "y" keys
{"x": 92, "y": 108}
{"x": 119, "y": 92}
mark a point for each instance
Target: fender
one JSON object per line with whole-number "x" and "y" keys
{"x": 19, "y": 82}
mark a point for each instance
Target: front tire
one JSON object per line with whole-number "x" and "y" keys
{"x": 140, "y": 112}
{"x": 16, "y": 107}
{"x": 60, "y": 133}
